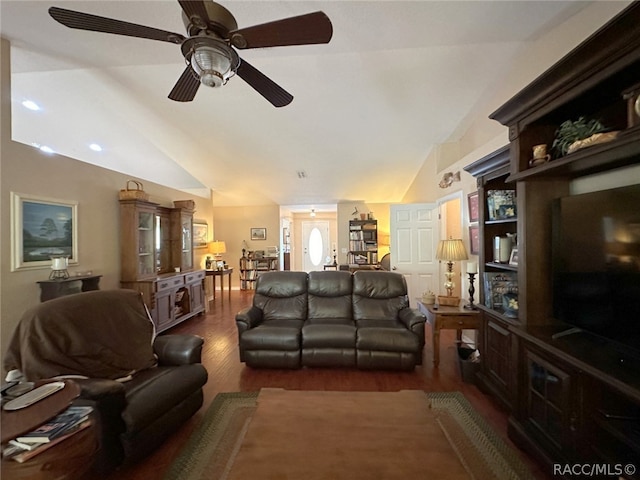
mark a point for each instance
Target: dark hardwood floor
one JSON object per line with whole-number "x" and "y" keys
{"x": 227, "y": 374}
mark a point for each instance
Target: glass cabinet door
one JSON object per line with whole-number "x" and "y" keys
{"x": 146, "y": 243}
{"x": 187, "y": 242}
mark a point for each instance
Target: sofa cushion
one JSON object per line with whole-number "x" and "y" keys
{"x": 338, "y": 336}
{"x": 397, "y": 339}
{"x": 330, "y": 295}
{"x": 281, "y": 295}
{"x": 378, "y": 295}
{"x": 269, "y": 337}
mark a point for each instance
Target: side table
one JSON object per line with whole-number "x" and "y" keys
{"x": 71, "y": 459}
{"x": 221, "y": 274}
{"x": 444, "y": 317}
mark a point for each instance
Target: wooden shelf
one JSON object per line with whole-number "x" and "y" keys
{"x": 620, "y": 152}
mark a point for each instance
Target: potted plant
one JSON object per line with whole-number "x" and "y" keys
{"x": 571, "y": 134}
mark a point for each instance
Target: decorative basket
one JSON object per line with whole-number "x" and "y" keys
{"x": 448, "y": 301}
{"x": 136, "y": 193}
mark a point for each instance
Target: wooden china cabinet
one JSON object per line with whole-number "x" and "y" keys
{"x": 156, "y": 259}
{"x": 573, "y": 399}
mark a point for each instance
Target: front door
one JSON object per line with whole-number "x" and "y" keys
{"x": 315, "y": 238}
{"x": 414, "y": 237}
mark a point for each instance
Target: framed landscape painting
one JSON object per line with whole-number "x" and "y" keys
{"x": 200, "y": 234}
{"x": 258, "y": 234}
{"x": 42, "y": 228}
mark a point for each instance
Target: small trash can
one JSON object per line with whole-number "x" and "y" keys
{"x": 469, "y": 361}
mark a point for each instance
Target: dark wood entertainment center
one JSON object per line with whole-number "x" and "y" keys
{"x": 573, "y": 398}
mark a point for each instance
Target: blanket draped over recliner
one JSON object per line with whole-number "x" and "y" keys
{"x": 83, "y": 335}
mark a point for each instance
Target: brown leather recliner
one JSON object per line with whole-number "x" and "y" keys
{"x": 143, "y": 388}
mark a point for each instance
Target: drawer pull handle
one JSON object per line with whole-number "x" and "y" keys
{"x": 164, "y": 285}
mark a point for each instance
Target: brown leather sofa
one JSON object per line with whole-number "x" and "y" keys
{"x": 143, "y": 388}
{"x": 331, "y": 319}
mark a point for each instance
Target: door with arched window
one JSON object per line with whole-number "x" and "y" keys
{"x": 315, "y": 238}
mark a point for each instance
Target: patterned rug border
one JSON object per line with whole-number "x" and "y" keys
{"x": 233, "y": 410}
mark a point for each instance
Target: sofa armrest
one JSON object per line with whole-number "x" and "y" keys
{"x": 248, "y": 318}
{"x": 178, "y": 349}
{"x": 412, "y": 319}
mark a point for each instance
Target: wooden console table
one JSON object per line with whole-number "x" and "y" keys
{"x": 220, "y": 273}
{"x": 50, "y": 289}
{"x": 443, "y": 317}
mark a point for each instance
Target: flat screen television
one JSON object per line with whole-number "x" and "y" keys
{"x": 596, "y": 263}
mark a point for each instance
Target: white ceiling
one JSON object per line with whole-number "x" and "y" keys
{"x": 397, "y": 78}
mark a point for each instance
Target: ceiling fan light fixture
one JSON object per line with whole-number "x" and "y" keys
{"x": 212, "y": 65}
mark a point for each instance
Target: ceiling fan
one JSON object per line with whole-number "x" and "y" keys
{"x": 209, "y": 50}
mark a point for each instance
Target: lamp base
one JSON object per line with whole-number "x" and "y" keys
{"x": 448, "y": 301}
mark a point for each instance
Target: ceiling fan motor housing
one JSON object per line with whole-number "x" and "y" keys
{"x": 221, "y": 21}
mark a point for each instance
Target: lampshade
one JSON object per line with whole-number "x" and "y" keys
{"x": 451, "y": 250}
{"x": 217, "y": 247}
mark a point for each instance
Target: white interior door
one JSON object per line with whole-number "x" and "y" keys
{"x": 315, "y": 244}
{"x": 414, "y": 237}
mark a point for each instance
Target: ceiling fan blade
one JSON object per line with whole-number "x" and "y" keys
{"x": 94, "y": 23}
{"x": 306, "y": 29}
{"x": 194, "y": 7}
{"x": 266, "y": 87}
{"x": 186, "y": 87}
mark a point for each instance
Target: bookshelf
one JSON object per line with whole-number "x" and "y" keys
{"x": 363, "y": 242}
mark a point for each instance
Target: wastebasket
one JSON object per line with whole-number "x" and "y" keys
{"x": 469, "y": 361}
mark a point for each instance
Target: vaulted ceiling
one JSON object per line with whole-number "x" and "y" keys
{"x": 397, "y": 78}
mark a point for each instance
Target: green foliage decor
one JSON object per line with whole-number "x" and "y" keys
{"x": 571, "y": 131}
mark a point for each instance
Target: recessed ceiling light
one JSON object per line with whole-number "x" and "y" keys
{"x": 46, "y": 149}
{"x": 95, "y": 147}
{"x": 31, "y": 105}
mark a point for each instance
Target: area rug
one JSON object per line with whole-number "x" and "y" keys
{"x": 284, "y": 434}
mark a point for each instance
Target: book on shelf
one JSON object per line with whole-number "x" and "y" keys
{"x": 496, "y": 284}
{"x": 57, "y": 426}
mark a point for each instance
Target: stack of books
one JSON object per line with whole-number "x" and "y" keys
{"x": 56, "y": 430}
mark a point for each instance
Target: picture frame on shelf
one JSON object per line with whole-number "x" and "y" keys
{"x": 513, "y": 258}
{"x": 258, "y": 233}
{"x": 474, "y": 207}
{"x": 501, "y": 198}
{"x": 200, "y": 234}
{"x": 474, "y": 239}
{"x": 42, "y": 227}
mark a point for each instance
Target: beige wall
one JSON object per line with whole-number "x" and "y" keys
{"x": 233, "y": 225}
{"x": 26, "y": 170}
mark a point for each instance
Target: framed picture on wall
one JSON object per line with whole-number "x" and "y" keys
{"x": 474, "y": 211}
{"x": 200, "y": 234}
{"x": 258, "y": 234}
{"x": 474, "y": 239}
{"x": 42, "y": 228}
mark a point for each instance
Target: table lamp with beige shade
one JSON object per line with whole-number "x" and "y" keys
{"x": 217, "y": 248}
{"x": 451, "y": 250}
